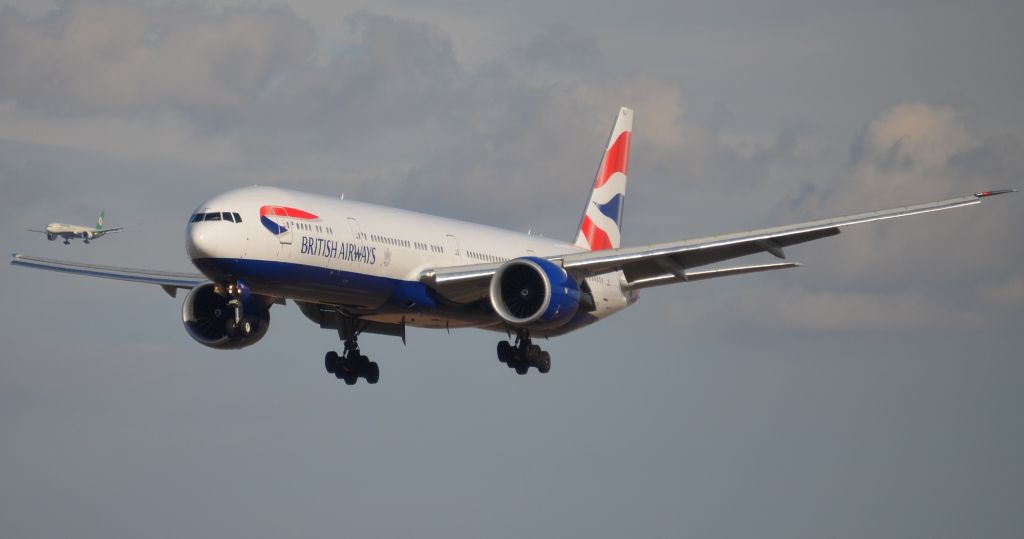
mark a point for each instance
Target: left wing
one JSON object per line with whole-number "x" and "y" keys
{"x": 169, "y": 281}
{"x": 665, "y": 263}
{"x": 109, "y": 230}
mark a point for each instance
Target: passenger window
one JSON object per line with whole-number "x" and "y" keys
{"x": 198, "y": 217}
{"x": 227, "y": 216}
{"x": 213, "y": 216}
{"x": 238, "y": 218}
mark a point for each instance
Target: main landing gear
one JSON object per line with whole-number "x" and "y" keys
{"x": 524, "y": 354}
{"x": 351, "y": 365}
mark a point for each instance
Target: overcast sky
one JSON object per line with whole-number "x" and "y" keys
{"x": 875, "y": 392}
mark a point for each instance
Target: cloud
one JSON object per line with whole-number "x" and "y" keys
{"x": 914, "y": 152}
{"x": 956, "y": 270}
{"x": 116, "y": 56}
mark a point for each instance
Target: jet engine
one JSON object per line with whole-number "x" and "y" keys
{"x": 532, "y": 292}
{"x": 209, "y": 318}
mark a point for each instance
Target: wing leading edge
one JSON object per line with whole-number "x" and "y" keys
{"x": 665, "y": 263}
{"x": 169, "y": 281}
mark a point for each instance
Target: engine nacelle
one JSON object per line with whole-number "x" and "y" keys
{"x": 211, "y": 321}
{"x": 533, "y": 292}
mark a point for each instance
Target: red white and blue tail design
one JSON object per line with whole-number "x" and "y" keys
{"x": 601, "y": 225}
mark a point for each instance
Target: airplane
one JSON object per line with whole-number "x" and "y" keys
{"x": 361, "y": 268}
{"x": 69, "y": 232}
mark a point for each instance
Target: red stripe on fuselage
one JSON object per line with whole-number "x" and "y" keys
{"x": 284, "y": 211}
{"x": 596, "y": 237}
{"x": 616, "y": 159}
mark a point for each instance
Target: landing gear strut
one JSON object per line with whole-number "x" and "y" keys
{"x": 241, "y": 324}
{"x": 524, "y": 354}
{"x": 351, "y": 365}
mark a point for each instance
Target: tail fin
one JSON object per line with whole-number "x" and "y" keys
{"x": 601, "y": 225}
{"x": 99, "y": 222}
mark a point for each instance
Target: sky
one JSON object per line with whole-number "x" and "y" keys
{"x": 873, "y": 392}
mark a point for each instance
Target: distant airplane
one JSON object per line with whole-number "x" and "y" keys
{"x": 359, "y": 268}
{"x": 70, "y": 232}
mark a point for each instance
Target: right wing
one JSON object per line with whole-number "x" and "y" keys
{"x": 673, "y": 262}
{"x": 169, "y": 281}
{"x": 674, "y": 258}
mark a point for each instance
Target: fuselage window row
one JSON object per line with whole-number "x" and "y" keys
{"x": 399, "y": 242}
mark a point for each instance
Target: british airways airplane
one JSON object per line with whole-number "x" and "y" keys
{"x": 359, "y": 268}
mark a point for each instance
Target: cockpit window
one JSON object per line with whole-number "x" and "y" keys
{"x": 231, "y": 217}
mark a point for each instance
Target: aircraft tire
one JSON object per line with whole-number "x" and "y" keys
{"x": 372, "y": 372}
{"x": 504, "y": 351}
{"x": 544, "y": 363}
{"x": 331, "y": 362}
{"x": 522, "y": 368}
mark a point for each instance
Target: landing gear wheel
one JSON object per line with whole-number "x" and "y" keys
{"x": 524, "y": 354}
{"x": 350, "y": 365}
{"x": 544, "y": 363}
{"x": 504, "y": 351}
{"x": 372, "y": 373}
{"x": 331, "y": 362}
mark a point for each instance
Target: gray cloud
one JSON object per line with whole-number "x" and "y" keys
{"x": 122, "y": 57}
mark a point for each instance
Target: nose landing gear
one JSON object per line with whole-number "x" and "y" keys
{"x": 524, "y": 354}
{"x": 241, "y": 324}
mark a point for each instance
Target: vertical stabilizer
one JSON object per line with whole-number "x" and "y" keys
{"x": 601, "y": 225}
{"x": 99, "y": 222}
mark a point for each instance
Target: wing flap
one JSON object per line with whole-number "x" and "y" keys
{"x": 670, "y": 278}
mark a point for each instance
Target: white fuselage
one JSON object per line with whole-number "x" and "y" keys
{"x": 61, "y": 230}
{"x": 361, "y": 257}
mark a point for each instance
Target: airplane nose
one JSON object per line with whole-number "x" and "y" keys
{"x": 201, "y": 240}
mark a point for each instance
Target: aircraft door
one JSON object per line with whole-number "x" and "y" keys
{"x": 285, "y": 237}
{"x": 357, "y": 253}
{"x": 357, "y": 232}
{"x": 453, "y": 248}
